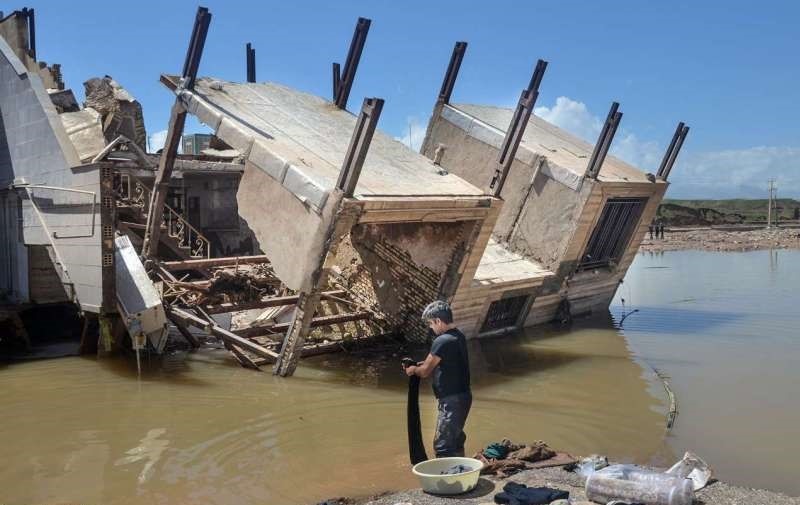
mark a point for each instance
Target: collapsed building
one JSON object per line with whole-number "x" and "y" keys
{"x": 572, "y": 217}
{"x": 304, "y": 221}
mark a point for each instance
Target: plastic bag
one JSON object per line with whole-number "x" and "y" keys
{"x": 693, "y": 468}
{"x": 587, "y": 466}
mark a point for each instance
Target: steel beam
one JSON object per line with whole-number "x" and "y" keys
{"x": 516, "y": 129}
{"x": 343, "y": 81}
{"x": 676, "y": 148}
{"x": 607, "y": 143}
{"x": 196, "y": 44}
{"x": 451, "y": 74}
{"x": 359, "y": 145}
{"x": 603, "y": 141}
{"x": 177, "y": 120}
{"x": 250, "y": 56}
{"x": 670, "y": 148}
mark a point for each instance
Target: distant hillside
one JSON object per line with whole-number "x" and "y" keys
{"x": 716, "y": 212}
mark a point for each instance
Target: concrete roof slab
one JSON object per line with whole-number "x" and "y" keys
{"x": 560, "y": 147}
{"x": 312, "y": 136}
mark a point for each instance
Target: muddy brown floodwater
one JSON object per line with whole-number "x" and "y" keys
{"x": 196, "y": 428}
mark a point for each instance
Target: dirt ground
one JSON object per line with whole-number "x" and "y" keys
{"x": 716, "y": 493}
{"x": 712, "y": 239}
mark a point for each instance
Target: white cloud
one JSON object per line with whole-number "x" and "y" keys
{"x": 645, "y": 154}
{"x": 414, "y": 133}
{"x": 738, "y": 173}
{"x": 572, "y": 116}
{"x": 156, "y": 141}
{"x": 576, "y": 118}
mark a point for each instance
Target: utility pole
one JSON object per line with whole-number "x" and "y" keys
{"x": 776, "y": 216}
{"x": 769, "y": 203}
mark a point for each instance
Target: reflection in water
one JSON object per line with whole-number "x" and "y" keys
{"x": 204, "y": 430}
{"x": 197, "y": 428}
{"x": 724, "y": 327}
{"x": 149, "y": 451}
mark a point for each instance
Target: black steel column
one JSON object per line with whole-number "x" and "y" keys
{"x": 359, "y": 145}
{"x": 343, "y": 82}
{"x": 451, "y": 74}
{"x": 516, "y": 129}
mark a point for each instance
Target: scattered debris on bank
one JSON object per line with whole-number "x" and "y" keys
{"x": 716, "y": 493}
{"x": 712, "y": 239}
{"x": 585, "y": 482}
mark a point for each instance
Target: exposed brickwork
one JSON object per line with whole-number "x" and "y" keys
{"x": 417, "y": 286}
{"x": 383, "y": 277}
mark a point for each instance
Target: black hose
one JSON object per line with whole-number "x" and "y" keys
{"x": 416, "y": 449}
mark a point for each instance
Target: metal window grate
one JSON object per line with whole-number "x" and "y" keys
{"x": 504, "y": 313}
{"x": 613, "y": 232}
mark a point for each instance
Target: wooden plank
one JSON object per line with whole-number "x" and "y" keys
{"x": 317, "y": 349}
{"x": 184, "y": 331}
{"x": 275, "y": 301}
{"x": 257, "y": 331}
{"x": 214, "y": 262}
{"x": 422, "y": 215}
{"x": 231, "y": 338}
{"x": 244, "y": 359}
{"x": 166, "y": 164}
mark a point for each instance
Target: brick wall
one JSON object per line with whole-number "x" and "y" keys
{"x": 384, "y": 277}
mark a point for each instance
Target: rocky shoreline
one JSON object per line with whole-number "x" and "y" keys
{"x": 716, "y": 493}
{"x": 723, "y": 239}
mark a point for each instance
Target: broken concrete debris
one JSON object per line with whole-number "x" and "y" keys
{"x": 120, "y": 112}
{"x": 308, "y": 219}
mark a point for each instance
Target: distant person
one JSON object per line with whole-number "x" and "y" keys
{"x": 448, "y": 362}
{"x": 650, "y": 228}
{"x": 661, "y": 230}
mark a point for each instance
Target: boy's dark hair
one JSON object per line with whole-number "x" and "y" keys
{"x": 438, "y": 310}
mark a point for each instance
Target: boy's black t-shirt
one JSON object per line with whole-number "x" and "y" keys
{"x": 452, "y": 375}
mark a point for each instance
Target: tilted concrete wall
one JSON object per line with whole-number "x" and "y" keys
{"x": 548, "y": 220}
{"x": 547, "y": 216}
{"x": 539, "y": 214}
{"x": 290, "y": 232}
{"x": 36, "y": 147}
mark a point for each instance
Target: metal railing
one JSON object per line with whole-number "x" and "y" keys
{"x": 133, "y": 192}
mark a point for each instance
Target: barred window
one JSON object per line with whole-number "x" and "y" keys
{"x": 504, "y": 313}
{"x": 613, "y": 232}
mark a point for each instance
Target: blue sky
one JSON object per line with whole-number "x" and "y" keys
{"x": 728, "y": 69}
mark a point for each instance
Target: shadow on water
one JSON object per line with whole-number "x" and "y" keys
{"x": 174, "y": 368}
{"x": 672, "y": 320}
{"x": 493, "y": 361}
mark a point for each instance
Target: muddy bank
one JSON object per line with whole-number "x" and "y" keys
{"x": 716, "y": 493}
{"x": 729, "y": 239}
